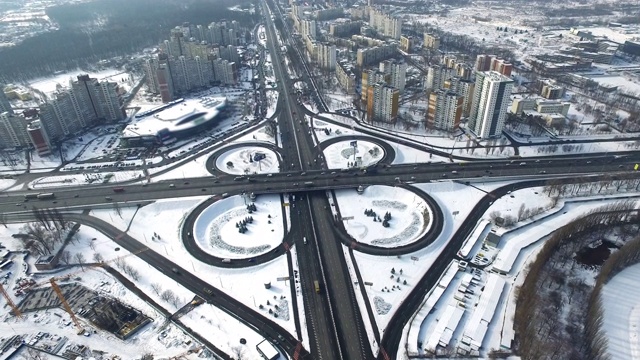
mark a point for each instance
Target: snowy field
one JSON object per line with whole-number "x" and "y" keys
{"x": 197, "y": 167}
{"x": 85, "y": 179}
{"x": 621, "y": 321}
{"x": 6, "y": 183}
{"x": 625, "y": 83}
{"x": 242, "y": 161}
{"x": 410, "y": 215}
{"x": 245, "y": 285}
{"x": 225, "y": 331}
{"x": 48, "y": 84}
{"x": 272, "y": 101}
{"x": 387, "y": 293}
{"x": 340, "y": 154}
{"x": 158, "y": 340}
{"x": 216, "y": 230}
{"x": 259, "y": 135}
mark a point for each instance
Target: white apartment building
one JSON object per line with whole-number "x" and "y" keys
{"x": 490, "y": 102}
{"x": 397, "y": 73}
{"x": 326, "y": 56}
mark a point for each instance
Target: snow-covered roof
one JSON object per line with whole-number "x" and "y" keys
{"x": 267, "y": 349}
{"x": 181, "y": 116}
{"x": 449, "y": 320}
{"x": 473, "y": 238}
{"x": 477, "y": 325}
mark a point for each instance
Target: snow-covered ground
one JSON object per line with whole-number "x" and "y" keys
{"x": 215, "y": 324}
{"x": 621, "y": 321}
{"x": 259, "y": 135}
{"x": 241, "y": 161}
{"x": 245, "y": 284}
{"x": 338, "y": 155}
{"x": 387, "y": 293}
{"x": 217, "y": 233}
{"x": 48, "y": 85}
{"x": 411, "y": 217}
{"x": 157, "y": 339}
{"x": 6, "y": 183}
{"x": 85, "y": 179}
{"x": 195, "y": 168}
{"x": 272, "y": 101}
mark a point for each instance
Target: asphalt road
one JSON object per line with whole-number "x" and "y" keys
{"x": 211, "y": 294}
{"x": 293, "y": 182}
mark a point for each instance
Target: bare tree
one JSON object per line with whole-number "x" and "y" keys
{"x": 65, "y": 257}
{"x": 168, "y": 296}
{"x": 97, "y": 257}
{"x": 79, "y": 258}
{"x": 237, "y": 352}
{"x": 156, "y": 288}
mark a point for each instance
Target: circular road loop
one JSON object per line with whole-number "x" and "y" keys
{"x": 190, "y": 243}
{"x": 424, "y": 241}
{"x": 212, "y": 159}
{"x": 389, "y": 152}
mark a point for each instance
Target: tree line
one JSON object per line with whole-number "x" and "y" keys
{"x": 551, "y": 306}
{"x": 627, "y": 256}
{"x": 102, "y": 29}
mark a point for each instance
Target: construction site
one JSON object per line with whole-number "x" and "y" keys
{"x": 102, "y": 312}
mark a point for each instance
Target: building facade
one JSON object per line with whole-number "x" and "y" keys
{"x": 326, "y": 56}
{"x": 436, "y": 76}
{"x": 5, "y": 106}
{"x": 464, "y": 88}
{"x": 382, "y": 103}
{"x": 346, "y": 77}
{"x": 397, "y": 72}
{"x": 385, "y": 24}
{"x": 490, "y": 102}
{"x": 13, "y": 131}
{"x": 445, "y": 110}
{"x": 431, "y": 41}
{"x": 366, "y": 57}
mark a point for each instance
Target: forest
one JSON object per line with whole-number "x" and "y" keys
{"x": 92, "y": 31}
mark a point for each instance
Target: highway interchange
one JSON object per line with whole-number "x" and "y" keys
{"x": 335, "y": 325}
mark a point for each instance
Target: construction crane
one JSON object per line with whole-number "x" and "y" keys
{"x": 59, "y": 293}
{"x": 16, "y": 310}
{"x": 66, "y": 306}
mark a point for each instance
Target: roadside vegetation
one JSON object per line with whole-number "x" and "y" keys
{"x": 555, "y": 317}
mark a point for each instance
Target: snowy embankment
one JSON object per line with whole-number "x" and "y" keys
{"x": 217, "y": 232}
{"x": 621, "y": 321}
{"x": 410, "y": 216}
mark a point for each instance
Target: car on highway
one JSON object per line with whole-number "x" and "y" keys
{"x": 172, "y": 185}
{"x": 175, "y": 270}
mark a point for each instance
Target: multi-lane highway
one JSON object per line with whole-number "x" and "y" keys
{"x": 334, "y": 322}
{"x": 294, "y": 181}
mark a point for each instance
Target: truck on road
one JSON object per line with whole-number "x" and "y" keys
{"x": 118, "y": 189}
{"x": 43, "y": 196}
{"x": 316, "y": 284}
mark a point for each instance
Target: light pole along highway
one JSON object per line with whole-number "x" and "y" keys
{"x": 322, "y": 327}
{"x": 335, "y": 331}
